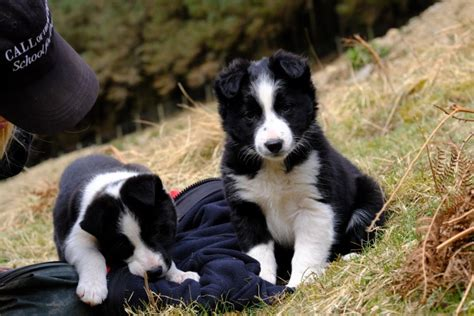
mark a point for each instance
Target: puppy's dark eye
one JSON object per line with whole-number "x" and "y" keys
{"x": 286, "y": 108}
{"x": 250, "y": 115}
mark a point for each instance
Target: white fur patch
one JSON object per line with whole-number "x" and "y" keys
{"x": 143, "y": 259}
{"x": 176, "y": 275}
{"x": 314, "y": 230}
{"x": 273, "y": 126}
{"x": 101, "y": 182}
{"x": 280, "y": 194}
{"x": 350, "y": 256}
{"x": 81, "y": 251}
{"x": 265, "y": 255}
{"x": 294, "y": 216}
{"x": 80, "y": 247}
{"x": 360, "y": 217}
{"x": 264, "y": 88}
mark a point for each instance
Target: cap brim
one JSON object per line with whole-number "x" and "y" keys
{"x": 57, "y": 101}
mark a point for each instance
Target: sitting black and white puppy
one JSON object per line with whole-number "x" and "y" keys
{"x": 109, "y": 213}
{"x": 288, "y": 188}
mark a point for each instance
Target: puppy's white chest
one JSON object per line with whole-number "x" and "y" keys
{"x": 282, "y": 195}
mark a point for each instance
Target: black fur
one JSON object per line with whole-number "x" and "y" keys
{"x": 143, "y": 195}
{"x": 354, "y": 197}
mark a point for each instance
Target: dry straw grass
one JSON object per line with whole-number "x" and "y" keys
{"x": 380, "y": 122}
{"x": 190, "y": 153}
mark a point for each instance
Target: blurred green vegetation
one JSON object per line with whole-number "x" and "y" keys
{"x": 359, "y": 56}
{"x": 164, "y": 42}
{"x": 141, "y": 49}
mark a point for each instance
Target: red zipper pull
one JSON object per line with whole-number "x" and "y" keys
{"x": 174, "y": 193}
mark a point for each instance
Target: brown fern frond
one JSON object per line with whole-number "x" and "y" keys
{"x": 441, "y": 173}
{"x": 466, "y": 173}
{"x": 445, "y": 256}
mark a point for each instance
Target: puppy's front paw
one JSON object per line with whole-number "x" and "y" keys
{"x": 309, "y": 275}
{"x": 179, "y": 276}
{"x": 191, "y": 275}
{"x": 350, "y": 256}
{"x": 92, "y": 292}
{"x": 268, "y": 275}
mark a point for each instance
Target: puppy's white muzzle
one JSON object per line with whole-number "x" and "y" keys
{"x": 274, "y": 138}
{"x": 145, "y": 261}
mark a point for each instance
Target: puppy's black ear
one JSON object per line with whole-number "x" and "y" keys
{"x": 229, "y": 80}
{"x": 99, "y": 214}
{"x": 142, "y": 190}
{"x": 289, "y": 65}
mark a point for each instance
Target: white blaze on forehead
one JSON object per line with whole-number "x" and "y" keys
{"x": 264, "y": 89}
{"x": 273, "y": 126}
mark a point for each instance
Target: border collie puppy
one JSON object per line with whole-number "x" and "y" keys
{"x": 288, "y": 188}
{"x": 109, "y": 213}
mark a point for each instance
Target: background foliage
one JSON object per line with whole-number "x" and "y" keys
{"x": 141, "y": 49}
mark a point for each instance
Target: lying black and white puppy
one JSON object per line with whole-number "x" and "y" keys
{"x": 109, "y": 213}
{"x": 288, "y": 188}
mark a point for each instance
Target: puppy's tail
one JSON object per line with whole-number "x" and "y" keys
{"x": 369, "y": 200}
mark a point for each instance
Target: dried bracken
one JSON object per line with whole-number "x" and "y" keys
{"x": 445, "y": 256}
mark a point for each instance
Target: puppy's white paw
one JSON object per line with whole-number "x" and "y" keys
{"x": 309, "y": 275}
{"x": 92, "y": 292}
{"x": 179, "y": 276}
{"x": 268, "y": 275}
{"x": 191, "y": 275}
{"x": 350, "y": 256}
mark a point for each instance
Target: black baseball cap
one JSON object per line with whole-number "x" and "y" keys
{"x": 45, "y": 86}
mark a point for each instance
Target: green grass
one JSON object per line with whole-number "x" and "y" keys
{"x": 360, "y": 56}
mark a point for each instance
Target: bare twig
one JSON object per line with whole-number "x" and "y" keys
{"x": 151, "y": 296}
{"x": 376, "y": 58}
{"x": 465, "y": 141}
{"x": 186, "y": 95}
{"x": 460, "y": 235}
{"x": 366, "y": 45}
{"x": 464, "y": 297}
{"x": 423, "y": 249}
{"x": 146, "y": 122}
{"x": 395, "y": 106}
{"x": 454, "y": 220}
{"x": 116, "y": 153}
{"x": 433, "y": 173}
{"x": 462, "y": 109}
{"x": 372, "y": 124}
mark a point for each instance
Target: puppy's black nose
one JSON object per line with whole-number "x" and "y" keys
{"x": 274, "y": 145}
{"x": 155, "y": 273}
